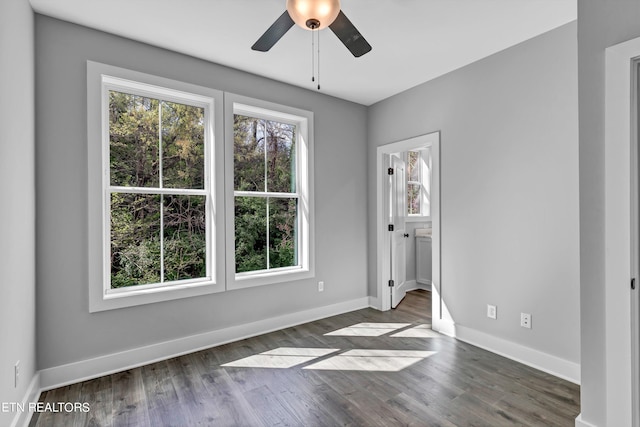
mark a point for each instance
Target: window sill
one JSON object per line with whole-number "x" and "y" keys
{"x": 249, "y": 280}
{"x": 417, "y": 218}
{"x": 122, "y": 297}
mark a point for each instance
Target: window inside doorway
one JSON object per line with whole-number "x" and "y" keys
{"x": 418, "y": 177}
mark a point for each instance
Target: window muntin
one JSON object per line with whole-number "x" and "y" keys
{"x": 414, "y": 183}
{"x": 270, "y": 230}
{"x": 158, "y": 193}
{"x": 173, "y": 193}
{"x": 265, "y": 196}
{"x": 418, "y": 176}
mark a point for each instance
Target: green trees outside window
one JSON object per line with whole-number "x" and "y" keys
{"x": 265, "y": 196}
{"x": 156, "y": 161}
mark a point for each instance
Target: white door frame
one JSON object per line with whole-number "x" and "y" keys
{"x": 382, "y": 234}
{"x": 621, "y": 234}
{"x": 635, "y": 244}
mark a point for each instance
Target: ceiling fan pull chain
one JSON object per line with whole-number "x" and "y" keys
{"x": 318, "y": 60}
{"x": 313, "y": 53}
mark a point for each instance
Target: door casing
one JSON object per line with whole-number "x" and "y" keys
{"x": 382, "y": 234}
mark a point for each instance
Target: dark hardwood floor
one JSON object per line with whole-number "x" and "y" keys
{"x": 364, "y": 368}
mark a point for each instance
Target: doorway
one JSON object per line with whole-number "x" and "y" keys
{"x": 390, "y": 215}
{"x": 622, "y": 232}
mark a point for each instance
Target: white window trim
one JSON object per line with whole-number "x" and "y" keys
{"x": 304, "y": 152}
{"x": 100, "y": 79}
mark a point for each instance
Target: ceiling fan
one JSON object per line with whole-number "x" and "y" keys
{"x": 315, "y": 15}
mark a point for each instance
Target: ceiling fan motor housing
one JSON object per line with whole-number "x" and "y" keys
{"x": 312, "y": 24}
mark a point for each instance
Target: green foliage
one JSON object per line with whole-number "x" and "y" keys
{"x": 141, "y": 130}
{"x": 264, "y": 161}
{"x": 155, "y": 144}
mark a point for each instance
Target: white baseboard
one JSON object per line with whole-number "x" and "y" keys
{"x": 413, "y": 285}
{"x": 83, "y": 370}
{"x": 374, "y": 302}
{"x": 545, "y": 362}
{"x": 22, "y": 418}
{"x": 581, "y": 423}
{"x": 445, "y": 327}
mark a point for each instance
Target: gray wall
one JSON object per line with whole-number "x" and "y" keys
{"x": 410, "y": 228}
{"x": 600, "y": 25}
{"x": 509, "y": 187}
{"x": 66, "y": 330}
{"x": 17, "y": 212}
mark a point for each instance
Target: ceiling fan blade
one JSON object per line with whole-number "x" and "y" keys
{"x": 274, "y": 33}
{"x": 349, "y": 35}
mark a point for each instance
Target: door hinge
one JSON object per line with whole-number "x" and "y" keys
{"x": 390, "y": 227}
{"x": 391, "y": 284}
{"x": 390, "y": 171}
{"x": 633, "y": 283}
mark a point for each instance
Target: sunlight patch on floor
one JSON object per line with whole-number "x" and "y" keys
{"x": 281, "y": 358}
{"x": 371, "y": 360}
{"x": 368, "y": 329}
{"x": 420, "y": 331}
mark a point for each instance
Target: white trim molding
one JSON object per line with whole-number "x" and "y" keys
{"x": 374, "y": 302}
{"x": 304, "y": 190}
{"x": 83, "y": 370}
{"x": 537, "y": 359}
{"x": 100, "y": 79}
{"x": 581, "y": 423}
{"x": 619, "y": 139}
{"x": 23, "y": 418}
{"x": 432, "y": 140}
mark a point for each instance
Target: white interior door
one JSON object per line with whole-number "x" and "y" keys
{"x": 398, "y": 211}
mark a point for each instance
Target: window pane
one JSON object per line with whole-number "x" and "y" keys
{"x": 133, "y": 140}
{"x": 249, "y": 159}
{"x": 413, "y": 199}
{"x": 185, "y": 243}
{"x": 182, "y": 146}
{"x": 251, "y": 233}
{"x": 280, "y": 157}
{"x": 283, "y": 232}
{"x": 413, "y": 166}
{"x": 135, "y": 239}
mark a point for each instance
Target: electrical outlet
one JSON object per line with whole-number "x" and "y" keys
{"x": 525, "y": 320}
{"x": 492, "y": 311}
{"x": 16, "y": 372}
{"x": 320, "y": 286}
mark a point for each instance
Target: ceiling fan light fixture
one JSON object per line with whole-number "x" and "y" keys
{"x": 313, "y": 14}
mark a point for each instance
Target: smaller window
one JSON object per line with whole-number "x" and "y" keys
{"x": 270, "y": 194}
{"x": 418, "y": 182}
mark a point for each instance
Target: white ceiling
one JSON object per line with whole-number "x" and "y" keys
{"x": 413, "y": 40}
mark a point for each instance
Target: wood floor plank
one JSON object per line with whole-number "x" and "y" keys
{"x": 129, "y": 406}
{"x": 162, "y": 400}
{"x": 281, "y": 378}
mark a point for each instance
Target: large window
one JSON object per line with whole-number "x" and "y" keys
{"x": 158, "y": 191}
{"x": 169, "y": 215}
{"x": 270, "y": 208}
{"x": 155, "y": 177}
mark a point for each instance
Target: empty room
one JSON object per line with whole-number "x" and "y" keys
{"x": 319, "y": 213}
